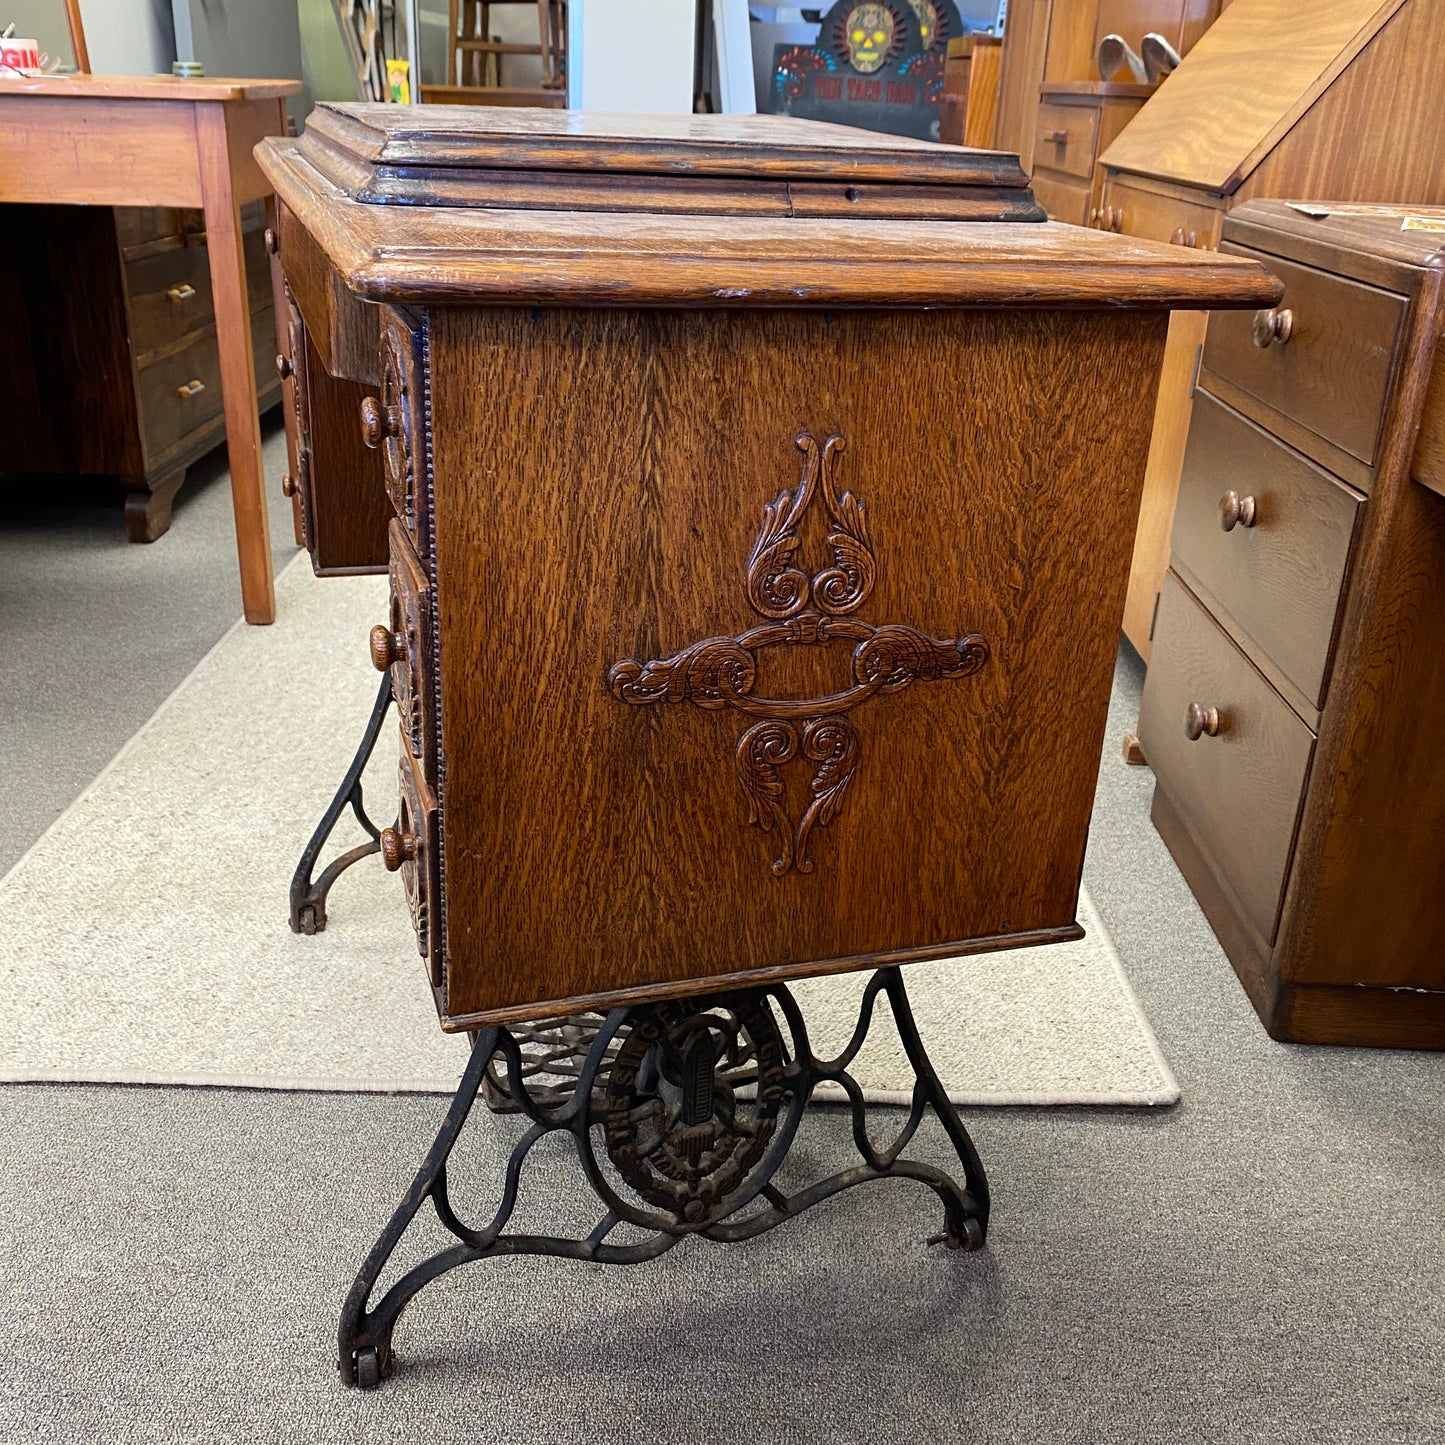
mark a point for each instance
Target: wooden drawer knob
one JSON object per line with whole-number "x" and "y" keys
{"x": 397, "y": 848}
{"x": 386, "y": 647}
{"x": 273, "y": 245}
{"x": 283, "y": 367}
{"x": 1236, "y": 511}
{"x": 377, "y": 422}
{"x": 288, "y": 485}
{"x": 1181, "y": 237}
{"x": 1199, "y": 721}
{"x": 1276, "y": 324}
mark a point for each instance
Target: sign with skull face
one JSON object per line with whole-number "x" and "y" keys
{"x": 877, "y": 64}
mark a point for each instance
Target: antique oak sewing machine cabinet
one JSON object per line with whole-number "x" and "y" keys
{"x": 758, "y": 544}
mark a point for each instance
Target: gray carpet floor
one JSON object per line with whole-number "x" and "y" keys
{"x": 1262, "y": 1263}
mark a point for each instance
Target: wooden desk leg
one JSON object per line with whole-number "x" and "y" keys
{"x": 238, "y": 373}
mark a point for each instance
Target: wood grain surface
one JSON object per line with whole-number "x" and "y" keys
{"x": 1279, "y": 578}
{"x": 1241, "y": 790}
{"x": 1254, "y": 73}
{"x": 419, "y": 256}
{"x": 591, "y": 847}
{"x": 1332, "y": 373}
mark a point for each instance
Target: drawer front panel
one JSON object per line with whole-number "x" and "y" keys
{"x": 178, "y": 394}
{"x": 1239, "y": 789}
{"x": 169, "y": 295}
{"x": 1066, "y": 137}
{"x": 1327, "y": 366}
{"x": 1133, "y": 211}
{"x": 1279, "y": 569}
{"x": 417, "y": 823}
{"x": 298, "y": 424}
{"x": 1063, "y": 198}
{"x": 410, "y": 624}
{"x": 399, "y": 425}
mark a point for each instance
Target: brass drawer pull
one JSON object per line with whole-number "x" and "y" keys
{"x": 1236, "y": 511}
{"x": 387, "y": 647}
{"x": 1199, "y": 721}
{"x": 190, "y": 389}
{"x": 397, "y": 848}
{"x": 283, "y": 367}
{"x": 1276, "y": 324}
{"x": 377, "y": 422}
{"x": 183, "y": 292}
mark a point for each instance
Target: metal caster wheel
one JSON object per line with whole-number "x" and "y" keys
{"x": 307, "y": 922}
{"x": 368, "y": 1368}
{"x": 970, "y": 1239}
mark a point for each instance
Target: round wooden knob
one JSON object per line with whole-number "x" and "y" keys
{"x": 386, "y": 647}
{"x": 1199, "y": 721}
{"x": 396, "y": 848}
{"x": 1276, "y": 324}
{"x": 272, "y": 243}
{"x": 1235, "y": 511}
{"x": 283, "y": 367}
{"x": 1116, "y": 218}
{"x": 288, "y": 485}
{"x": 377, "y": 422}
{"x": 1096, "y": 215}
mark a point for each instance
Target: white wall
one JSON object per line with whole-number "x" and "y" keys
{"x": 124, "y": 37}
{"x": 634, "y": 55}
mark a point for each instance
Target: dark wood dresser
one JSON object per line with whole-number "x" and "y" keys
{"x": 108, "y": 357}
{"x": 1294, "y": 703}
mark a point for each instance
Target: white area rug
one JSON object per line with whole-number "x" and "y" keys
{"x": 143, "y": 939}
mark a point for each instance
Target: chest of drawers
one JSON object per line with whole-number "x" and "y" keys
{"x": 1295, "y": 695}
{"x": 752, "y": 611}
{"x": 110, "y": 358}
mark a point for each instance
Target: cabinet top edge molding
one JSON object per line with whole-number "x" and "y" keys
{"x": 753, "y": 146}
{"x": 147, "y": 87}
{"x": 1256, "y": 71}
{"x": 417, "y": 255}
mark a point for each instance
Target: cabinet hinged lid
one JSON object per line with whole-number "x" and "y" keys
{"x": 533, "y": 159}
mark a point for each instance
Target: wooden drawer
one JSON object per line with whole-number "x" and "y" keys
{"x": 1329, "y": 364}
{"x": 1066, "y": 137}
{"x": 1063, "y": 198}
{"x": 405, "y": 644}
{"x": 1137, "y": 211}
{"x": 418, "y": 858}
{"x": 168, "y": 296}
{"x": 143, "y": 226}
{"x": 1279, "y": 569}
{"x": 295, "y": 389}
{"x": 1239, "y": 791}
{"x": 177, "y": 394}
{"x": 394, "y": 422}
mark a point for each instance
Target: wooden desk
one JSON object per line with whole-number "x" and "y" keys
{"x": 154, "y": 141}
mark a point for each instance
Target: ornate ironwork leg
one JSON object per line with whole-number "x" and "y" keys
{"x": 308, "y": 898}
{"x": 681, "y": 1113}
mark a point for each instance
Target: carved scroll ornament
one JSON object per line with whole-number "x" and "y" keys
{"x": 804, "y": 611}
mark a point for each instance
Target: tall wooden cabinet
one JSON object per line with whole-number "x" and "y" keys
{"x": 1048, "y": 43}
{"x": 1346, "y": 103}
{"x": 1295, "y": 701}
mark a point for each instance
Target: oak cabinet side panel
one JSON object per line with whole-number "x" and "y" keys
{"x": 602, "y": 486}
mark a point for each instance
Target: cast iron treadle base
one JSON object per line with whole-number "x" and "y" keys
{"x": 308, "y": 899}
{"x": 695, "y": 1103}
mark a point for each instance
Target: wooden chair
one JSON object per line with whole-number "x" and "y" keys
{"x": 474, "y": 57}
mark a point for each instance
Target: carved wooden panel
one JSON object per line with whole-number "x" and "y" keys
{"x": 620, "y": 509}
{"x": 807, "y": 611}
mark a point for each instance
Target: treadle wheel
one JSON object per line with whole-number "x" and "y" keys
{"x": 368, "y": 1368}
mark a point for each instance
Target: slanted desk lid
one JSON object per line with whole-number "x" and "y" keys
{"x": 526, "y": 159}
